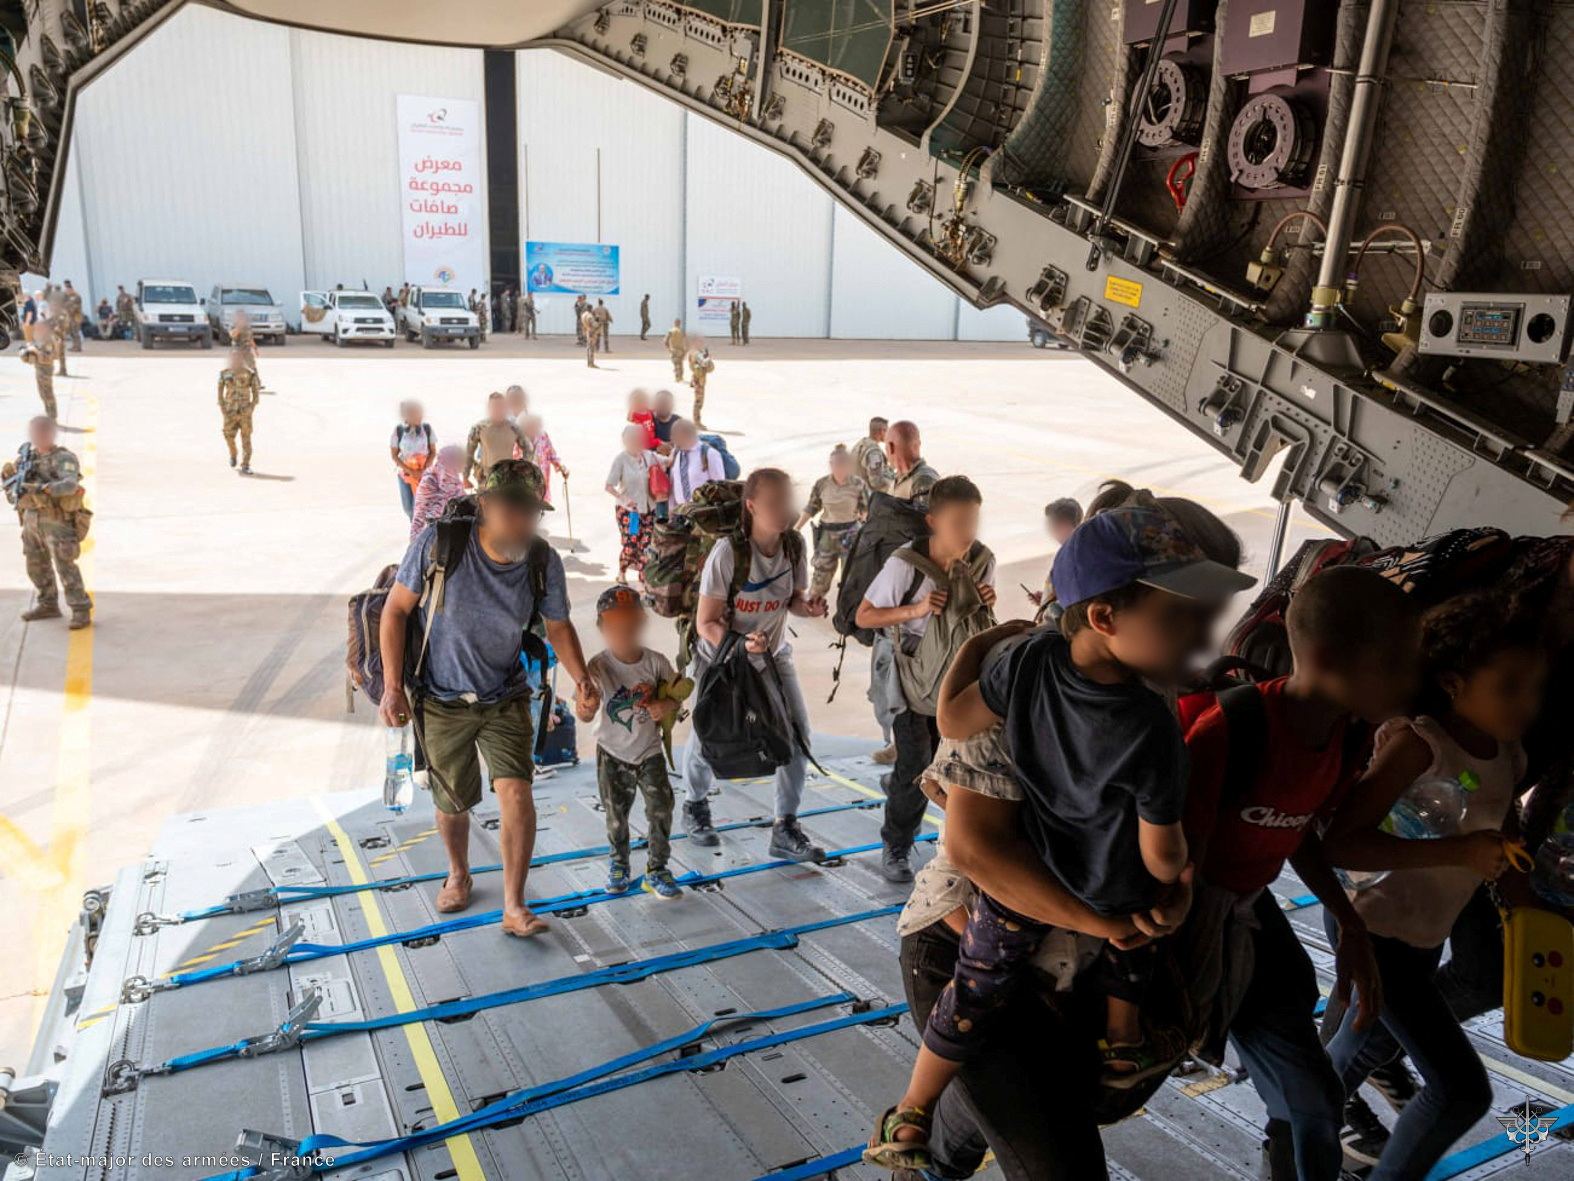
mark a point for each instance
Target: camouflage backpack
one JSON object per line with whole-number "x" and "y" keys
{"x": 680, "y": 545}
{"x": 678, "y": 549}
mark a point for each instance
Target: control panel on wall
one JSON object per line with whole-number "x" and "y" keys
{"x": 1529, "y": 328}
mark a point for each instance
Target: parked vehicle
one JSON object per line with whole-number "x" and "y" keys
{"x": 169, "y": 309}
{"x": 434, "y": 314}
{"x": 1040, "y": 337}
{"x": 346, "y": 316}
{"x": 265, "y": 312}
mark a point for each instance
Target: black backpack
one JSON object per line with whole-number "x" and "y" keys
{"x": 892, "y": 523}
{"x": 741, "y": 719}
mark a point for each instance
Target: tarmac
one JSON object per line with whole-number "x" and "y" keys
{"x": 214, "y": 675}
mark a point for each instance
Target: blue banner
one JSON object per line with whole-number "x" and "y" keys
{"x": 572, "y": 268}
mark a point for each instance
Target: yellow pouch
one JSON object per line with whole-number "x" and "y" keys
{"x": 1538, "y": 984}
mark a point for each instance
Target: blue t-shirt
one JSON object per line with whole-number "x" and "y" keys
{"x": 474, "y": 651}
{"x": 1091, "y": 759}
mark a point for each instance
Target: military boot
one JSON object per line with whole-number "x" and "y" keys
{"x": 42, "y": 610}
{"x": 80, "y": 617}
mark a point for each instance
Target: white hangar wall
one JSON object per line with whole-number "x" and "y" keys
{"x": 224, "y": 149}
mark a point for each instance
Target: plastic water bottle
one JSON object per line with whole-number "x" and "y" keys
{"x": 1552, "y": 876}
{"x": 1431, "y": 807}
{"x": 399, "y": 777}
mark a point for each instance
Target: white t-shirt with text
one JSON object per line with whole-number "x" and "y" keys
{"x": 624, "y": 728}
{"x": 763, "y": 604}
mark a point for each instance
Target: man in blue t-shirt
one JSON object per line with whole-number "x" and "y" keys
{"x": 471, "y": 694}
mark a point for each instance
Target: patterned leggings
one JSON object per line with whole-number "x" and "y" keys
{"x": 634, "y": 530}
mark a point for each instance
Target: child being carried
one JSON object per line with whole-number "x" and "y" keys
{"x": 1102, "y": 767}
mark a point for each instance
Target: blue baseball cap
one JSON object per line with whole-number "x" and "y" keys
{"x": 1127, "y": 545}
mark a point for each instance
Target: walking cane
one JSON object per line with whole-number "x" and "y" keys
{"x": 570, "y": 543}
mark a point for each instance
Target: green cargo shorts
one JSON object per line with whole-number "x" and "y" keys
{"x": 456, "y": 735}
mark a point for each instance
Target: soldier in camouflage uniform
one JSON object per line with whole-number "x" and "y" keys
{"x": 125, "y": 305}
{"x": 483, "y": 315}
{"x": 527, "y": 315}
{"x": 677, "y": 348}
{"x": 869, "y": 457}
{"x": 44, "y": 484}
{"x": 58, "y": 324}
{"x": 41, "y": 356}
{"x": 644, "y": 316}
{"x": 590, "y": 331}
{"x": 239, "y": 392}
{"x": 841, "y": 501}
{"x": 701, "y": 365}
{"x": 72, "y": 300}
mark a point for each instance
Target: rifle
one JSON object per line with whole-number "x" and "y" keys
{"x": 17, "y": 483}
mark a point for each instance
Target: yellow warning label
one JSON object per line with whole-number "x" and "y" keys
{"x": 1126, "y": 291}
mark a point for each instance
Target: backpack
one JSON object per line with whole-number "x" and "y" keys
{"x": 1430, "y": 571}
{"x": 921, "y": 666}
{"x": 680, "y": 544}
{"x": 890, "y": 524}
{"x": 1260, "y": 637}
{"x": 729, "y": 463}
{"x": 557, "y": 743}
{"x": 738, "y": 715}
{"x": 363, "y": 649}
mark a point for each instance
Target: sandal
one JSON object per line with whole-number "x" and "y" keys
{"x": 885, "y": 1151}
{"x": 1137, "y": 1062}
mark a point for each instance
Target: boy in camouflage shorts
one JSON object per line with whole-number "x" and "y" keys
{"x": 631, "y": 705}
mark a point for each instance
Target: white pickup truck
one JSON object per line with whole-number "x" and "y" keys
{"x": 168, "y": 309}
{"x": 346, "y": 316}
{"x": 433, "y": 314}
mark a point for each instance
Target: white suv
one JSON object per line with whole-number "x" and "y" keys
{"x": 168, "y": 309}
{"x": 433, "y": 314}
{"x": 346, "y": 316}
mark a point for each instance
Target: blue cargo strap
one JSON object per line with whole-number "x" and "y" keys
{"x": 594, "y": 1081}
{"x": 279, "y": 895}
{"x": 304, "y": 952}
{"x": 1488, "y": 1150}
{"x": 627, "y": 973}
{"x": 818, "y": 1167}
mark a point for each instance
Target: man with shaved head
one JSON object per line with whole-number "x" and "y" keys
{"x": 914, "y": 477}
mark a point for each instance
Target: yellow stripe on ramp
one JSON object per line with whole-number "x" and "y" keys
{"x": 934, "y": 818}
{"x": 466, "y": 1163}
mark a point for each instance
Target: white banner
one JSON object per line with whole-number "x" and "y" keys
{"x": 442, "y": 192}
{"x": 715, "y": 296}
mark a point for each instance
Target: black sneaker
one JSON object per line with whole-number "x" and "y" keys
{"x": 1394, "y": 1082}
{"x": 1364, "y": 1137}
{"x": 790, "y": 843}
{"x": 696, "y": 819}
{"x": 894, "y": 867}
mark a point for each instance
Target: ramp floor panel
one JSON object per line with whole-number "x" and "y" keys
{"x": 741, "y": 1119}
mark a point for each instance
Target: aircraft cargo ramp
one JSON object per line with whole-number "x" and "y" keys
{"x": 751, "y": 1029}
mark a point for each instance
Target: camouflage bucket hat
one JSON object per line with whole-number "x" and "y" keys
{"x": 517, "y": 481}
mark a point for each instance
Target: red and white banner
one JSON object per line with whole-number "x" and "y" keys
{"x": 442, "y": 192}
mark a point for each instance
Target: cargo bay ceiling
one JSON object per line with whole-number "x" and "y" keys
{"x": 1334, "y": 238}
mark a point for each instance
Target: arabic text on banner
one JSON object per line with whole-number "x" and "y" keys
{"x": 442, "y": 192}
{"x": 715, "y": 295}
{"x": 573, "y": 268}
